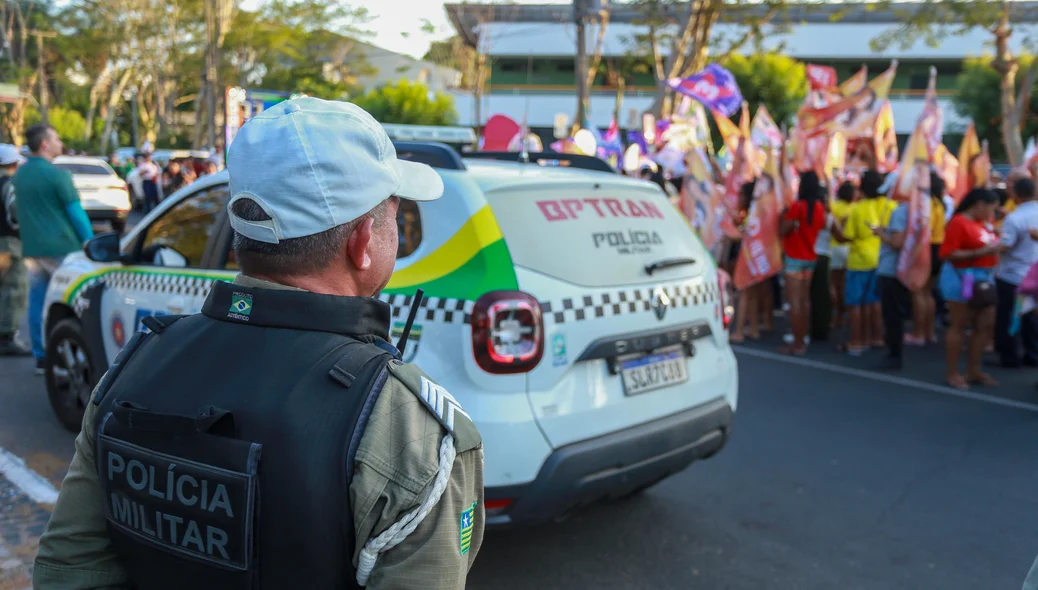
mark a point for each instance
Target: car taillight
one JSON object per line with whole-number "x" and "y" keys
{"x": 120, "y": 187}
{"x": 727, "y": 297}
{"x": 507, "y": 332}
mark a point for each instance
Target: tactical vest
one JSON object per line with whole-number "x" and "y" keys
{"x": 6, "y": 230}
{"x": 225, "y": 447}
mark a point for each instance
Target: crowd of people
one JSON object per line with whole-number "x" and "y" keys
{"x": 840, "y": 273}
{"x": 151, "y": 182}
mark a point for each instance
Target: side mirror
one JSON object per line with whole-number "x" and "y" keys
{"x": 103, "y": 248}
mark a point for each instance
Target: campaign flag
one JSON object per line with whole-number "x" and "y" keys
{"x": 947, "y": 167}
{"x": 821, "y": 77}
{"x": 649, "y": 129}
{"x": 498, "y": 133}
{"x": 855, "y": 114}
{"x": 760, "y": 256}
{"x": 932, "y": 117}
{"x": 611, "y": 149}
{"x": 730, "y": 132}
{"x": 744, "y": 169}
{"x": 764, "y": 133}
{"x": 715, "y": 87}
{"x": 701, "y": 199}
{"x": 697, "y": 120}
{"x": 969, "y": 153}
{"x": 884, "y": 139}
{"x": 855, "y": 83}
{"x": 913, "y": 185}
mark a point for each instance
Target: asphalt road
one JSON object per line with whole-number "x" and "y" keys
{"x": 836, "y": 477}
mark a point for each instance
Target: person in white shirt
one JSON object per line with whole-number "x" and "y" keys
{"x": 149, "y": 174}
{"x": 1018, "y": 253}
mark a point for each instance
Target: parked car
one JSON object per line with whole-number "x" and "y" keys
{"x": 574, "y": 315}
{"x": 105, "y": 196}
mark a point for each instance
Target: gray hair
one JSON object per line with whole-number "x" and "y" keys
{"x": 294, "y": 256}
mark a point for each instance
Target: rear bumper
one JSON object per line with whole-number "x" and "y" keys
{"x": 615, "y": 464}
{"x": 107, "y": 214}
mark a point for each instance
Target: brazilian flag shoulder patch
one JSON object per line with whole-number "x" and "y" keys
{"x": 468, "y": 521}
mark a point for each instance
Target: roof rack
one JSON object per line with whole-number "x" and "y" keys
{"x": 548, "y": 159}
{"x": 437, "y": 155}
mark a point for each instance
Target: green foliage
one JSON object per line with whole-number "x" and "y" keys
{"x": 776, "y": 81}
{"x": 409, "y": 103}
{"x": 69, "y": 124}
{"x": 977, "y": 98}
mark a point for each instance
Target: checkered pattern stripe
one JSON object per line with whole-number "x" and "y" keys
{"x": 157, "y": 283}
{"x": 446, "y": 310}
{"x": 626, "y": 301}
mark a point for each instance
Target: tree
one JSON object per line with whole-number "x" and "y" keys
{"x": 410, "y": 103}
{"x": 68, "y": 123}
{"x": 977, "y": 97}
{"x": 679, "y": 36}
{"x": 937, "y": 19}
{"x": 774, "y": 80}
{"x": 19, "y": 60}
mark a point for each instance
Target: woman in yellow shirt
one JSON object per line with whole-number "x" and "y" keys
{"x": 841, "y": 210}
{"x": 924, "y": 306}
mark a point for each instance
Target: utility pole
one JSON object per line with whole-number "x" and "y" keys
{"x": 41, "y": 72}
{"x": 212, "y": 36}
{"x": 580, "y": 19}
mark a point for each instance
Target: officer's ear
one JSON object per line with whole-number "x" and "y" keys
{"x": 359, "y": 243}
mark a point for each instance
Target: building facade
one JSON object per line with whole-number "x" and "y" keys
{"x": 532, "y": 47}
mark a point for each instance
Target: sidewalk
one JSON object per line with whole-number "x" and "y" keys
{"x": 923, "y": 365}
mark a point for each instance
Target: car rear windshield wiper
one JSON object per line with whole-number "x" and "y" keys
{"x": 668, "y": 263}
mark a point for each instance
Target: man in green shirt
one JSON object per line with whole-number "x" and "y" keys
{"x": 51, "y": 221}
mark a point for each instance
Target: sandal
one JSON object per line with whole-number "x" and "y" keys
{"x": 856, "y": 351}
{"x": 958, "y": 383}
{"x": 983, "y": 379}
{"x": 911, "y": 340}
{"x": 736, "y": 338}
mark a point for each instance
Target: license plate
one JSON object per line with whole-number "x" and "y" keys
{"x": 653, "y": 371}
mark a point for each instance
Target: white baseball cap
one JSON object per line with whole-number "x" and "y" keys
{"x": 314, "y": 164}
{"x": 10, "y": 155}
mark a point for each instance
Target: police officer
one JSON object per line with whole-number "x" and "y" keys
{"x": 275, "y": 440}
{"x": 14, "y": 286}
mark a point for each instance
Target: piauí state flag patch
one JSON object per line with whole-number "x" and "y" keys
{"x": 468, "y": 520}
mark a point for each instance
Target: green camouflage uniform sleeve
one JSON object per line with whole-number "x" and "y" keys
{"x": 75, "y": 552}
{"x": 396, "y": 462}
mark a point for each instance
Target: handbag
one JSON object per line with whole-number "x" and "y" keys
{"x": 979, "y": 295}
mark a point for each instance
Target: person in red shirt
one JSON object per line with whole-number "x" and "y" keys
{"x": 799, "y": 229}
{"x": 970, "y": 255}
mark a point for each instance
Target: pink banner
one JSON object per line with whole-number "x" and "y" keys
{"x": 760, "y": 257}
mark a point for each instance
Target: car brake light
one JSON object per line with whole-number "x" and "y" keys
{"x": 727, "y": 297}
{"x": 507, "y": 332}
{"x": 121, "y": 187}
{"x": 493, "y": 507}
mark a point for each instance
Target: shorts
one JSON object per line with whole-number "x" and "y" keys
{"x": 950, "y": 281}
{"x": 839, "y": 257}
{"x": 935, "y": 260}
{"x": 798, "y": 269}
{"x": 861, "y": 288}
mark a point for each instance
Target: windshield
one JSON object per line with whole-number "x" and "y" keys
{"x": 85, "y": 168}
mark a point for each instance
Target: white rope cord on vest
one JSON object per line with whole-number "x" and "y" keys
{"x": 407, "y": 524}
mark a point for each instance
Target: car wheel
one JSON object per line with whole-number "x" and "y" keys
{"x": 118, "y": 226}
{"x": 69, "y": 373}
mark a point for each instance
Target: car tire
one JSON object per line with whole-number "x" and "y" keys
{"x": 119, "y": 226}
{"x": 69, "y": 387}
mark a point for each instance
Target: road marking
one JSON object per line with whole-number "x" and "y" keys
{"x": 32, "y": 484}
{"x": 882, "y": 377}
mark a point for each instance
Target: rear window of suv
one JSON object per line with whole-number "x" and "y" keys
{"x": 596, "y": 234}
{"x": 84, "y": 169}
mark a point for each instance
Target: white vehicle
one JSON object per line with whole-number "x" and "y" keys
{"x": 573, "y": 314}
{"x": 105, "y": 197}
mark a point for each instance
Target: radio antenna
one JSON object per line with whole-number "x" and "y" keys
{"x": 415, "y": 304}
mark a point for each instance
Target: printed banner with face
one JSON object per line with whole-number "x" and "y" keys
{"x": 764, "y": 133}
{"x": 760, "y": 257}
{"x": 701, "y": 199}
{"x": 947, "y": 167}
{"x": 913, "y": 185}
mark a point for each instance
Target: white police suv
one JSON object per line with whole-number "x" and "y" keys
{"x": 573, "y": 314}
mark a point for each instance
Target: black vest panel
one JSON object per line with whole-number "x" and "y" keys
{"x": 222, "y": 451}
